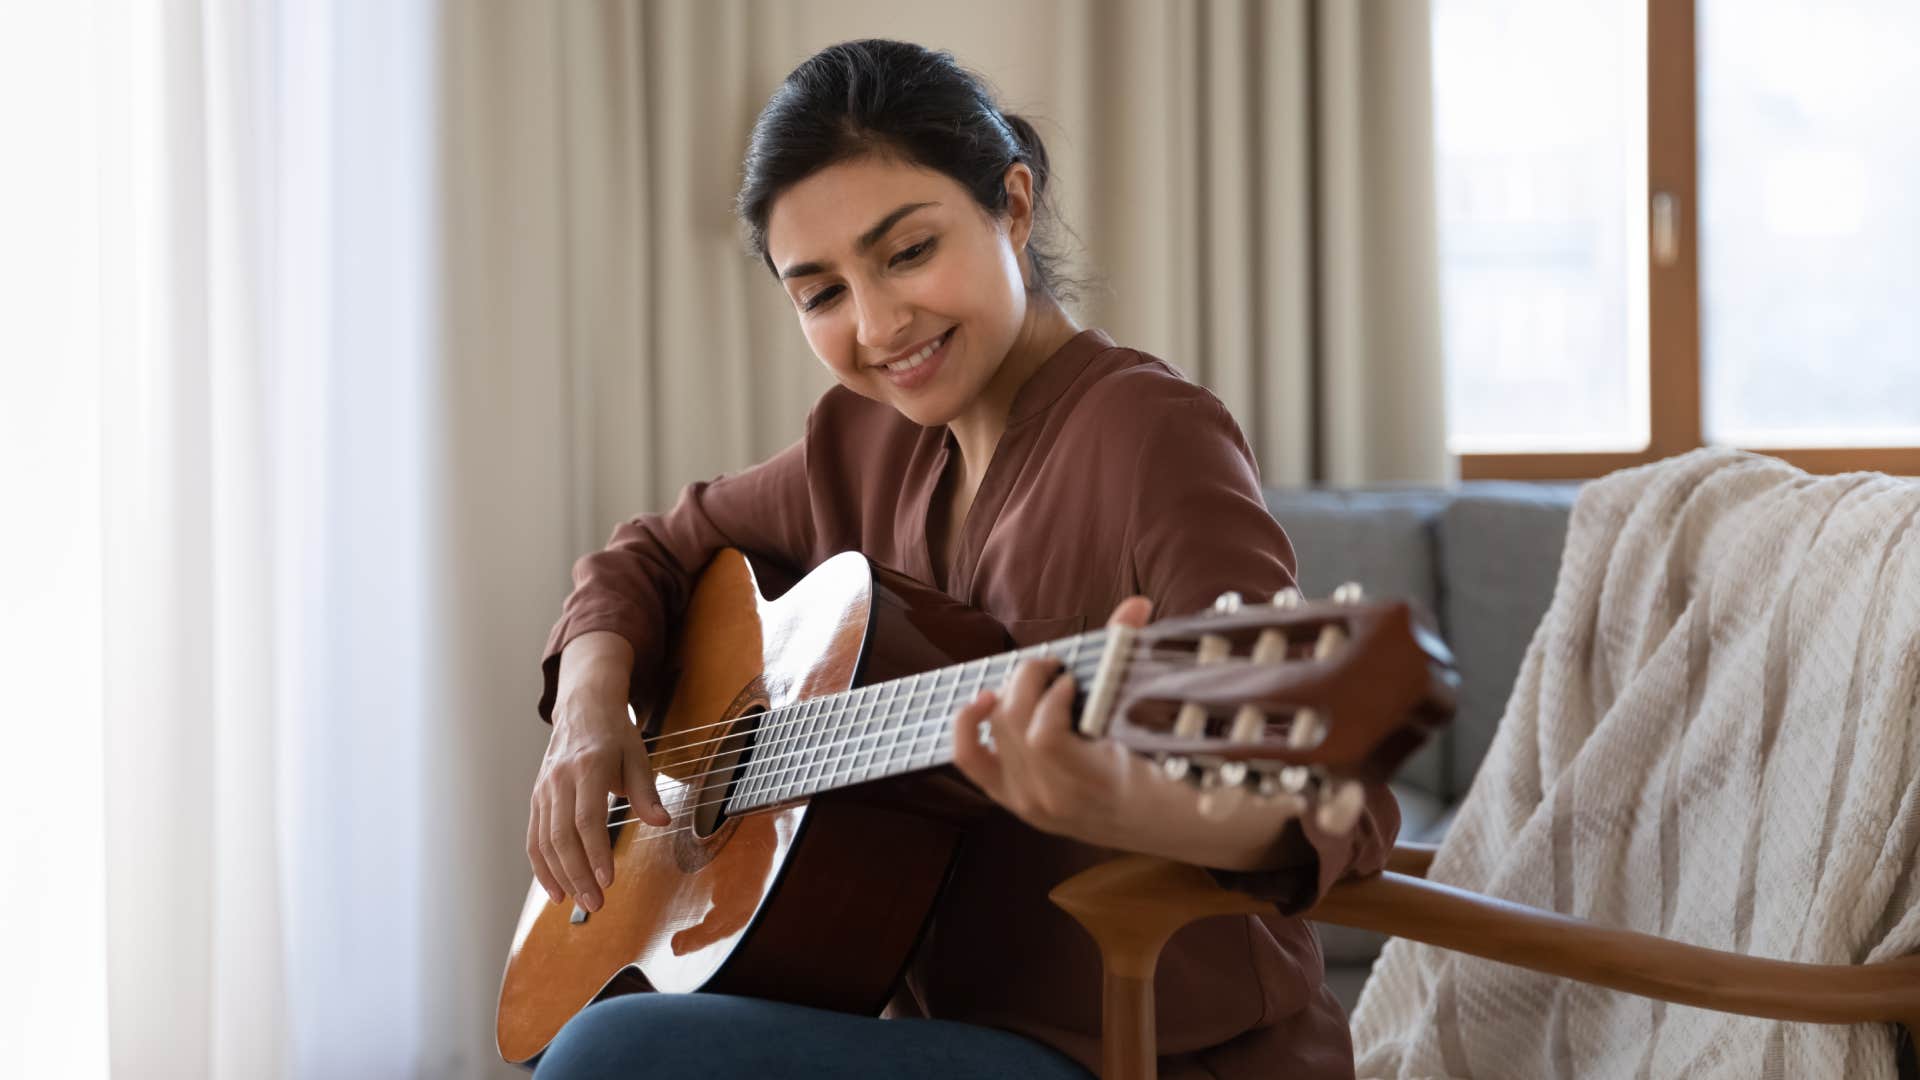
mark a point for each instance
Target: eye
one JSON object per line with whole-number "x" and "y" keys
{"x": 912, "y": 254}
{"x": 814, "y": 302}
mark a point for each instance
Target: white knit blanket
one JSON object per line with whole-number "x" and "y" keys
{"x": 1715, "y": 737}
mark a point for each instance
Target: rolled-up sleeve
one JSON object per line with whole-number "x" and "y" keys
{"x": 638, "y": 585}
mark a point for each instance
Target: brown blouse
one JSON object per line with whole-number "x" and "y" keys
{"x": 1116, "y": 476}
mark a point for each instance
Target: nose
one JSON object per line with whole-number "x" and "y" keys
{"x": 883, "y": 320}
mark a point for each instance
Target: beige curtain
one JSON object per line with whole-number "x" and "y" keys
{"x": 1251, "y": 181}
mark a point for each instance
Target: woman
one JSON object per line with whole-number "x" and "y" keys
{"x": 978, "y": 440}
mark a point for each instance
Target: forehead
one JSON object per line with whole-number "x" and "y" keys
{"x": 819, "y": 218}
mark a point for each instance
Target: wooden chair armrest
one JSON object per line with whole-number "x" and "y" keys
{"x": 1543, "y": 941}
{"x": 1411, "y": 859}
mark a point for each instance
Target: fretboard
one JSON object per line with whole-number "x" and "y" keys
{"x": 887, "y": 729}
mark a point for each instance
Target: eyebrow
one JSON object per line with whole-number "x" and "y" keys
{"x": 867, "y": 239}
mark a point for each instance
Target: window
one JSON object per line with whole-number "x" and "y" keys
{"x": 1593, "y": 318}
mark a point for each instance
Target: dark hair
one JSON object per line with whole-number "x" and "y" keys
{"x": 896, "y": 99}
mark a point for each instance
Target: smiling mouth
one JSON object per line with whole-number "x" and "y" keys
{"x": 900, "y": 367}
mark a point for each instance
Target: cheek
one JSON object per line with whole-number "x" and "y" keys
{"x": 832, "y": 339}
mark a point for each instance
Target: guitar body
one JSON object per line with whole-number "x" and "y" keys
{"x": 818, "y": 902}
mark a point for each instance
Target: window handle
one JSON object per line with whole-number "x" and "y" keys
{"x": 1666, "y": 228}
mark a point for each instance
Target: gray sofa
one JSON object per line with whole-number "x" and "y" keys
{"x": 1482, "y": 557}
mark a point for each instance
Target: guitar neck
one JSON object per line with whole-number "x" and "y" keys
{"x": 883, "y": 730}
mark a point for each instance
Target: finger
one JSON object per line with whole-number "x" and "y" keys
{"x": 590, "y": 819}
{"x": 970, "y": 753}
{"x": 563, "y": 836}
{"x": 1052, "y": 723}
{"x": 1024, "y": 689}
{"x": 639, "y": 785}
{"x": 1133, "y": 611}
{"x": 536, "y": 853}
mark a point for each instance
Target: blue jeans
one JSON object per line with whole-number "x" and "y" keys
{"x": 670, "y": 1036}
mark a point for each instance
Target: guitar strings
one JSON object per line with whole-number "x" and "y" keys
{"x": 1017, "y": 657}
{"x": 788, "y": 716}
{"x": 913, "y": 744}
{"x": 787, "y": 744}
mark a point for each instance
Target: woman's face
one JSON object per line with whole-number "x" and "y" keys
{"x": 905, "y": 287}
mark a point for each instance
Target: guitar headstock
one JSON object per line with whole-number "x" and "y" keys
{"x": 1294, "y": 699}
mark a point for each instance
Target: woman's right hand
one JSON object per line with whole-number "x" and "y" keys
{"x": 595, "y": 749}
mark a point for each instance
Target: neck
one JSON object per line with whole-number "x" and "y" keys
{"x": 977, "y": 429}
{"x": 885, "y": 729}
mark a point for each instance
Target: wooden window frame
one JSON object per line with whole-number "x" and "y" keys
{"x": 1675, "y": 422}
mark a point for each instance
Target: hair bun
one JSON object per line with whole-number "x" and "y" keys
{"x": 1032, "y": 150}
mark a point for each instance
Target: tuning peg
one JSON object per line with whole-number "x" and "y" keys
{"x": 1332, "y": 636}
{"x": 1288, "y": 597}
{"x": 1227, "y": 602}
{"x": 1233, "y": 773}
{"x": 1349, "y": 593}
{"x": 1271, "y": 648}
{"x": 1176, "y": 767}
{"x": 1338, "y": 814}
{"x": 1248, "y": 725}
{"x": 1306, "y": 731}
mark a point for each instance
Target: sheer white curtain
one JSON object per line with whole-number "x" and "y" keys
{"x": 228, "y": 784}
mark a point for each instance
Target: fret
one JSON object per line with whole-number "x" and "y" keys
{"x": 862, "y": 728}
{"x": 863, "y": 732}
{"x": 833, "y": 760}
{"x": 896, "y": 724}
{"x": 821, "y": 746}
{"x": 943, "y": 718}
{"x": 877, "y": 727}
{"x": 930, "y": 716}
{"x": 756, "y": 788}
{"x": 782, "y": 751}
{"x": 796, "y": 759}
{"x": 748, "y": 778}
{"x": 979, "y": 683}
{"x": 775, "y": 761}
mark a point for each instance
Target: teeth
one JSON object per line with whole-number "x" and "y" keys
{"x": 918, "y": 358}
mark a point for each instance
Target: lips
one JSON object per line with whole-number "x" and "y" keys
{"x": 918, "y": 367}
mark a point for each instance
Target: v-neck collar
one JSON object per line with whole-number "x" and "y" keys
{"x": 1040, "y": 391}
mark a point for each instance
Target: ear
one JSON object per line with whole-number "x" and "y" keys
{"x": 1019, "y": 183}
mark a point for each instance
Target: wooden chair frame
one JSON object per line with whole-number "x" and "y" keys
{"x": 1132, "y": 905}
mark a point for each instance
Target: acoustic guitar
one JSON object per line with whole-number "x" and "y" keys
{"x": 779, "y": 713}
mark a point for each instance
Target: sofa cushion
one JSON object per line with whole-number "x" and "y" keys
{"x": 1499, "y": 554}
{"x": 1384, "y": 541}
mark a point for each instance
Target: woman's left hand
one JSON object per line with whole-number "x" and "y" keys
{"x": 1098, "y": 792}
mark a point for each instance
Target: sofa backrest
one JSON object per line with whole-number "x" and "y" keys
{"x": 1482, "y": 558}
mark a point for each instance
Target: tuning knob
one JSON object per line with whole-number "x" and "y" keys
{"x": 1227, "y": 602}
{"x": 1306, "y": 731}
{"x": 1295, "y": 779}
{"x": 1339, "y": 813}
{"x": 1349, "y": 593}
{"x": 1176, "y": 767}
{"x": 1288, "y": 597}
{"x": 1233, "y": 773}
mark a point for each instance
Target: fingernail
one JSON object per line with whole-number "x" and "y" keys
{"x": 590, "y": 901}
{"x": 553, "y": 895}
{"x": 604, "y": 876}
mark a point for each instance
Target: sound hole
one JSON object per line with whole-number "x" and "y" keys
{"x": 722, "y": 774}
